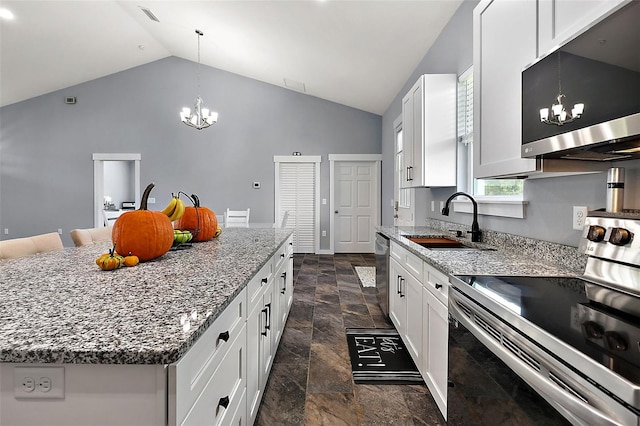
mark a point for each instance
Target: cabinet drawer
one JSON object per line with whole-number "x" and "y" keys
{"x": 437, "y": 283}
{"x": 258, "y": 283}
{"x": 412, "y": 263}
{"x": 189, "y": 376}
{"x": 224, "y": 393}
{"x": 281, "y": 256}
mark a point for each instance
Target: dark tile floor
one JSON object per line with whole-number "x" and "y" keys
{"x": 311, "y": 382}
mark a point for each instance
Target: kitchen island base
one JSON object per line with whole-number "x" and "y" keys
{"x": 132, "y": 347}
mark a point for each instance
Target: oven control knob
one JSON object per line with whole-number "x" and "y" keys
{"x": 615, "y": 341}
{"x": 619, "y": 236}
{"x": 593, "y": 330}
{"x": 596, "y": 233}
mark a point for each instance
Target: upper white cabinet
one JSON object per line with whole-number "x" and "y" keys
{"x": 429, "y": 132}
{"x": 508, "y": 36}
{"x": 504, "y": 43}
{"x": 561, "y": 20}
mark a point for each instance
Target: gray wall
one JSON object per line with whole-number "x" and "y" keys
{"x": 46, "y": 146}
{"x": 550, "y": 200}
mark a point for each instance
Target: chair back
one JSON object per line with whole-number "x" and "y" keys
{"x": 21, "y": 247}
{"x": 83, "y": 237}
{"x": 237, "y": 218}
{"x": 285, "y": 217}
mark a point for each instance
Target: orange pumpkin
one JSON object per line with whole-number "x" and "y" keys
{"x": 198, "y": 217}
{"x": 143, "y": 233}
{"x": 131, "y": 260}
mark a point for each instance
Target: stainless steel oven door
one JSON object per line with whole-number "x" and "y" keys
{"x": 569, "y": 393}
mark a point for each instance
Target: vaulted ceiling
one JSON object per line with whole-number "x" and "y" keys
{"x": 357, "y": 53}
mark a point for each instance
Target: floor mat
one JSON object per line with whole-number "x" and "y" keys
{"x": 378, "y": 356}
{"x": 367, "y": 275}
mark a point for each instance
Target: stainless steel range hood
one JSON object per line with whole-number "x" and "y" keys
{"x": 601, "y": 69}
{"x": 614, "y": 140}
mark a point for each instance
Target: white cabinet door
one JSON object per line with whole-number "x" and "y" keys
{"x": 413, "y": 324}
{"x": 563, "y": 20}
{"x": 254, "y": 340}
{"x": 504, "y": 43}
{"x": 397, "y": 304}
{"x": 408, "y": 135}
{"x": 435, "y": 349}
{"x": 429, "y": 132}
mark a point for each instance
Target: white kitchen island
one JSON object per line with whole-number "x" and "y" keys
{"x": 164, "y": 342}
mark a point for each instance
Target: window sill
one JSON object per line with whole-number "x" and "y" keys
{"x": 502, "y": 208}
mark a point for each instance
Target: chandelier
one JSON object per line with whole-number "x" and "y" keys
{"x": 559, "y": 114}
{"x": 201, "y": 117}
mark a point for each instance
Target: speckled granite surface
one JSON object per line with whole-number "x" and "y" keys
{"x": 513, "y": 255}
{"x": 60, "y": 307}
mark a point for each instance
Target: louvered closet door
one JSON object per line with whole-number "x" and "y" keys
{"x": 297, "y": 188}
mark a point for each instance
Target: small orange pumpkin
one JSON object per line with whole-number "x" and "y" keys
{"x": 198, "y": 217}
{"x": 131, "y": 260}
{"x": 143, "y": 233}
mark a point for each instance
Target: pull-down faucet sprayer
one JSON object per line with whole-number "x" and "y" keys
{"x": 476, "y": 234}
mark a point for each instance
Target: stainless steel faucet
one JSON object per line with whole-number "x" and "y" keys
{"x": 476, "y": 234}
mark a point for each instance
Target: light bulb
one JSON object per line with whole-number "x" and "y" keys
{"x": 563, "y": 115}
{"x": 557, "y": 109}
{"x": 579, "y": 109}
{"x": 544, "y": 114}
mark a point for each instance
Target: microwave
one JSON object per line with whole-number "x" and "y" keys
{"x": 582, "y": 101}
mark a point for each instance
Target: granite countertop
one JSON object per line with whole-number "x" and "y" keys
{"x": 59, "y": 307}
{"x": 506, "y": 257}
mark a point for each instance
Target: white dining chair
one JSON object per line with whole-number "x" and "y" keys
{"x": 83, "y": 237}
{"x": 21, "y": 247}
{"x": 237, "y": 218}
{"x": 283, "y": 222}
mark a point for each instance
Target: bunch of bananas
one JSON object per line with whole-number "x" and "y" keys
{"x": 175, "y": 208}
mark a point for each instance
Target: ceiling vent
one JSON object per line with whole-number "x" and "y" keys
{"x": 294, "y": 85}
{"x": 149, "y": 14}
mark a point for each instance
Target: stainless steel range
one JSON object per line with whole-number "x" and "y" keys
{"x": 575, "y": 340}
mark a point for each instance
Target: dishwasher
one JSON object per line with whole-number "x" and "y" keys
{"x": 382, "y": 272}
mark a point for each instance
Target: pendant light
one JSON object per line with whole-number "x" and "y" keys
{"x": 201, "y": 117}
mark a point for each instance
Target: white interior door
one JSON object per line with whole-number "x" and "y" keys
{"x": 356, "y": 206}
{"x": 403, "y": 197}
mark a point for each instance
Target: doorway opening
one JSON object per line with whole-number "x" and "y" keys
{"x": 116, "y": 180}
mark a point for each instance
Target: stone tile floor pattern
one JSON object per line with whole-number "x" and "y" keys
{"x": 310, "y": 381}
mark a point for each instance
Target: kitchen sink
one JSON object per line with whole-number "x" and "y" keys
{"x": 443, "y": 243}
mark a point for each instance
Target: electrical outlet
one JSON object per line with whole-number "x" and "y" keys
{"x": 433, "y": 206}
{"x": 441, "y": 205}
{"x": 151, "y": 200}
{"x": 38, "y": 382}
{"x": 579, "y": 216}
{"x": 324, "y": 233}
{"x": 60, "y": 231}
{"x": 6, "y": 231}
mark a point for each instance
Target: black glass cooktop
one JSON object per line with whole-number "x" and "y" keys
{"x": 560, "y": 306}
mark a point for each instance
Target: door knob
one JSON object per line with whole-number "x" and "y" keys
{"x": 336, "y": 212}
